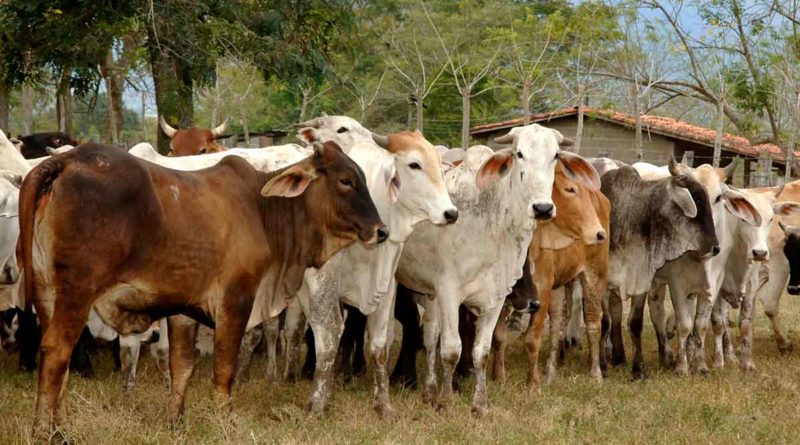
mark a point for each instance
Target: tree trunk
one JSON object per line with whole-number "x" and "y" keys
{"x": 304, "y": 105}
{"x": 173, "y": 88}
{"x": 718, "y": 137}
{"x": 26, "y": 103}
{"x": 245, "y": 128}
{"x": 64, "y": 101}
{"x": 525, "y": 101}
{"x": 466, "y": 96}
{"x": 4, "y": 93}
{"x": 579, "y": 129}
{"x": 114, "y": 77}
{"x": 144, "y": 115}
{"x": 420, "y": 111}
{"x": 637, "y": 112}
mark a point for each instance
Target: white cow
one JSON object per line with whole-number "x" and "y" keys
{"x": 477, "y": 261}
{"x": 364, "y": 279}
{"x": 263, "y": 159}
{"x": 344, "y": 130}
{"x": 740, "y": 280}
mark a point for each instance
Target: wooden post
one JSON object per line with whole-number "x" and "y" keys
{"x": 688, "y": 155}
{"x": 787, "y": 174}
{"x": 764, "y": 170}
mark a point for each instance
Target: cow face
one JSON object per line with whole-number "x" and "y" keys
{"x": 791, "y": 249}
{"x": 690, "y": 213}
{"x": 193, "y": 141}
{"x": 576, "y": 219}
{"x": 419, "y": 177}
{"x": 343, "y": 130}
{"x": 713, "y": 180}
{"x": 534, "y": 153}
{"x": 335, "y": 193}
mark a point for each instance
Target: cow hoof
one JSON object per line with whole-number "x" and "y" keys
{"x": 786, "y": 349}
{"x": 314, "y": 407}
{"x": 748, "y": 366}
{"x": 618, "y": 360}
{"x": 668, "y": 360}
{"x": 290, "y": 378}
{"x": 480, "y": 410}
{"x": 682, "y": 370}
{"x": 703, "y": 371}
{"x": 385, "y": 411}
{"x": 429, "y": 395}
{"x": 638, "y": 372}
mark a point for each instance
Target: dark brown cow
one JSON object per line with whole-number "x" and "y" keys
{"x": 136, "y": 241}
{"x": 193, "y": 140}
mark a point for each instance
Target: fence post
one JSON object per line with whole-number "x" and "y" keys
{"x": 787, "y": 175}
{"x": 688, "y": 157}
{"x": 764, "y": 170}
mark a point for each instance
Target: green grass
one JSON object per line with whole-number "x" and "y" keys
{"x": 729, "y": 405}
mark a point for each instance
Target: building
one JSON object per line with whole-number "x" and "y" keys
{"x": 258, "y": 139}
{"x": 611, "y": 134}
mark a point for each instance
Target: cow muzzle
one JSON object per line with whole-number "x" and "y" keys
{"x": 544, "y": 211}
{"x": 760, "y": 255}
{"x": 793, "y": 289}
{"x": 379, "y": 234}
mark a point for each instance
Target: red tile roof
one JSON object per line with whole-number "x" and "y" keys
{"x": 665, "y": 126}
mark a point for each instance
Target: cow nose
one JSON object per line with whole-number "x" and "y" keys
{"x": 543, "y": 211}
{"x": 451, "y": 216}
{"x": 533, "y": 306}
{"x": 382, "y": 234}
{"x": 760, "y": 254}
{"x": 155, "y": 336}
{"x": 793, "y": 289}
{"x": 715, "y": 250}
{"x": 601, "y": 235}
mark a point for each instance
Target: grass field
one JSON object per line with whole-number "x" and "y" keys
{"x": 761, "y": 406}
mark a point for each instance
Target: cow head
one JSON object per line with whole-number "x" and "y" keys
{"x": 193, "y": 140}
{"x": 35, "y": 145}
{"x": 335, "y": 194}
{"x": 690, "y": 212}
{"x": 418, "y": 184}
{"x": 713, "y": 180}
{"x": 343, "y": 130}
{"x": 577, "y": 215}
{"x": 791, "y": 249}
{"x": 531, "y": 162}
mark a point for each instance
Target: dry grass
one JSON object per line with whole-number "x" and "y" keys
{"x": 723, "y": 407}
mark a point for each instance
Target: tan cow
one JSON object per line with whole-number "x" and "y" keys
{"x": 193, "y": 140}
{"x": 571, "y": 246}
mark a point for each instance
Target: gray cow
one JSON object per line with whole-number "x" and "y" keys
{"x": 652, "y": 222}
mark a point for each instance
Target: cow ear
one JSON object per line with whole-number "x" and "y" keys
{"x": 579, "y": 170}
{"x": 739, "y": 206}
{"x": 683, "y": 199}
{"x": 784, "y": 227}
{"x": 392, "y": 185}
{"x": 292, "y": 182}
{"x": 308, "y": 135}
{"x": 494, "y": 168}
{"x": 786, "y": 208}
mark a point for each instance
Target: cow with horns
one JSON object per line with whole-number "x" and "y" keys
{"x": 193, "y": 140}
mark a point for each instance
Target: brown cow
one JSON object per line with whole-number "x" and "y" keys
{"x": 101, "y": 228}
{"x": 570, "y": 246}
{"x": 193, "y": 140}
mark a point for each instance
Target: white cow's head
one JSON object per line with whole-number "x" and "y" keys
{"x": 343, "y": 130}
{"x": 755, "y": 235}
{"x": 419, "y": 185}
{"x": 713, "y": 180}
{"x": 531, "y": 161}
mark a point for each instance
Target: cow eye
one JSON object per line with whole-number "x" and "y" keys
{"x": 519, "y": 155}
{"x": 415, "y": 166}
{"x": 341, "y": 130}
{"x": 346, "y": 182}
{"x": 57, "y": 141}
{"x": 202, "y": 151}
{"x": 719, "y": 198}
{"x": 570, "y": 190}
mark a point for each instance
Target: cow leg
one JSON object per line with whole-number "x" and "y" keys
{"x": 483, "y": 340}
{"x": 230, "y": 327}
{"x": 499, "y": 339}
{"x": 746, "y": 313}
{"x": 556, "y": 328}
{"x": 615, "y": 312}
{"x": 294, "y": 327}
{"x": 533, "y": 337}
{"x": 272, "y": 330}
{"x": 430, "y": 339}
{"x": 250, "y": 340}
{"x": 129, "y": 349}
{"x": 378, "y": 324}
{"x": 162, "y": 352}
{"x": 655, "y": 302}
{"x": 719, "y": 324}
{"x": 449, "y": 340}
{"x": 325, "y": 319}
{"x": 635, "y": 323}
{"x": 466, "y": 332}
{"x": 182, "y": 332}
{"x": 593, "y": 287}
{"x": 770, "y": 296}
{"x": 58, "y": 341}
{"x": 347, "y": 353}
{"x": 573, "y": 333}
{"x": 702, "y": 318}
{"x": 29, "y": 336}
{"x": 405, "y": 311}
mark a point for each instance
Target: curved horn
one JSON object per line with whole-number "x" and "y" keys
{"x": 567, "y": 142}
{"x": 382, "y": 141}
{"x": 217, "y": 132}
{"x": 169, "y": 131}
{"x": 779, "y": 189}
{"x": 730, "y": 168}
{"x": 51, "y": 151}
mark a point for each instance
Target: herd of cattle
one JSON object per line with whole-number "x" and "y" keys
{"x": 354, "y": 229}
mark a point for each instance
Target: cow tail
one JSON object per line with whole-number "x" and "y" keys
{"x": 36, "y": 183}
